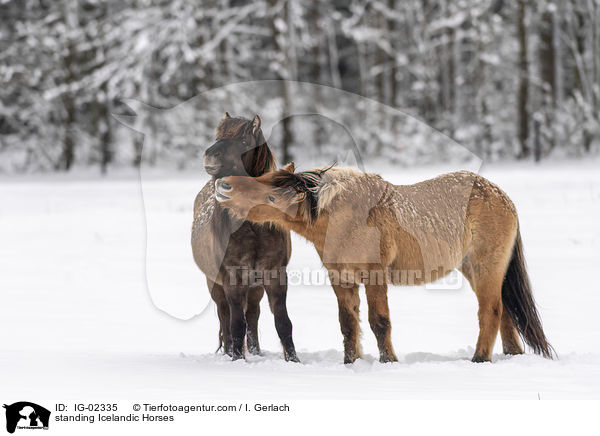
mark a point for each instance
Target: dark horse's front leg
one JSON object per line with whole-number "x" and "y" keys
{"x": 237, "y": 299}
{"x": 218, "y": 295}
{"x": 276, "y": 289}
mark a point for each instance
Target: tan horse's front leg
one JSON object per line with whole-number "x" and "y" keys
{"x": 348, "y": 305}
{"x": 379, "y": 319}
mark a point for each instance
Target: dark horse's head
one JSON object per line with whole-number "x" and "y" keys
{"x": 240, "y": 149}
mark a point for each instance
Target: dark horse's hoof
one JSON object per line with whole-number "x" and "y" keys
{"x": 349, "y": 359}
{"x": 237, "y": 356}
{"x": 293, "y": 358}
{"x": 225, "y": 350}
{"x": 254, "y": 351}
{"x": 290, "y": 356}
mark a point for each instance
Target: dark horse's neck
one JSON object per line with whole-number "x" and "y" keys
{"x": 257, "y": 161}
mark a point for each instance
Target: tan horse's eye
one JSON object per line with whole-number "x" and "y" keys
{"x": 271, "y": 198}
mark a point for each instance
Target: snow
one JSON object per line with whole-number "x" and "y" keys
{"x": 77, "y": 310}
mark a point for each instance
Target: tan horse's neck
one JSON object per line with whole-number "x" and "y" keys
{"x": 314, "y": 232}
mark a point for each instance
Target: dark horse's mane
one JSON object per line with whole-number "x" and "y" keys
{"x": 256, "y": 161}
{"x": 307, "y": 183}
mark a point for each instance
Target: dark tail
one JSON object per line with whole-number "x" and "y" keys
{"x": 518, "y": 302}
{"x": 221, "y": 342}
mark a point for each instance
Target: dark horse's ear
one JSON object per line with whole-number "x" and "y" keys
{"x": 226, "y": 116}
{"x": 255, "y": 124}
{"x": 290, "y": 168}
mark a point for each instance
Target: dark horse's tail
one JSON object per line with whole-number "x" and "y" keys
{"x": 221, "y": 341}
{"x": 517, "y": 301}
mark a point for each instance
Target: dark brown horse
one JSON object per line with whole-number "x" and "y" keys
{"x": 368, "y": 231}
{"x": 233, "y": 252}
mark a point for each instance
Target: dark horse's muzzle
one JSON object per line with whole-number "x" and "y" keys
{"x": 213, "y": 155}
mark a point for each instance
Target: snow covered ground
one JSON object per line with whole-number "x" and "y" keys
{"x": 76, "y": 310}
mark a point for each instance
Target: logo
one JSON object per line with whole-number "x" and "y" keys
{"x": 26, "y": 415}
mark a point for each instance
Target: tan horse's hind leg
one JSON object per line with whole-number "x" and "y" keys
{"x": 511, "y": 344}
{"x": 379, "y": 319}
{"x": 488, "y": 293}
{"x": 348, "y": 305}
{"x": 488, "y": 290}
{"x": 485, "y": 268}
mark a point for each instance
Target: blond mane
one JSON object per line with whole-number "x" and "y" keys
{"x": 334, "y": 182}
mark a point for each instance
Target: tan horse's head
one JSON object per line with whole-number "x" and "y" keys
{"x": 279, "y": 196}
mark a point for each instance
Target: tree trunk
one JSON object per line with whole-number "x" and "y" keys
{"x": 316, "y": 71}
{"x": 523, "y": 95}
{"x": 548, "y": 69}
{"x": 286, "y": 123}
{"x": 105, "y": 132}
{"x": 336, "y": 79}
{"x": 280, "y": 42}
{"x": 68, "y": 152}
{"x": 547, "y": 55}
{"x": 393, "y": 69}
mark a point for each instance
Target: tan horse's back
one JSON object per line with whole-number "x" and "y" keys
{"x": 419, "y": 232}
{"x": 439, "y": 222}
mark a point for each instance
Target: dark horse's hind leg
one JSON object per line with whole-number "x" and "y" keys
{"x": 218, "y": 296}
{"x": 252, "y": 314}
{"x": 277, "y": 292}
{"x": 237, "y": 299}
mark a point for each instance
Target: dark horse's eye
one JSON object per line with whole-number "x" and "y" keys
{"x": 271, "y": 198}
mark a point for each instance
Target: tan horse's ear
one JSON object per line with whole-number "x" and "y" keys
{"x": 256, "y": 123}
{"x": 290, "y": 168}
{"x": 226, "y": 116}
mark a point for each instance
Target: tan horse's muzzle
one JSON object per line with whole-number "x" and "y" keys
{"x": 222, "y": 188}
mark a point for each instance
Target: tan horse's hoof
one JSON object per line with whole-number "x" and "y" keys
{"x": 387, "y": 358}
{"x": 479, "y": 359}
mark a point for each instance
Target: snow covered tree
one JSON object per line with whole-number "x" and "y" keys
{"x": 480, "y": 71}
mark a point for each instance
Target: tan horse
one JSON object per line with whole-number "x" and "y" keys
{"x": 368, "y": 231}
